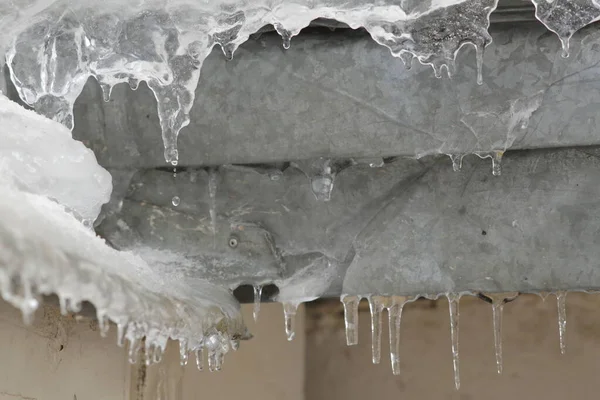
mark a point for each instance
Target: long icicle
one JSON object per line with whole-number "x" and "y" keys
{"x": 395, "y": 318}
{"x": 498, "y": 300}
{"x": 453, "y": 300}
{"x": 561, "y": 302}
{"x": 376, "y": 307}
{"x": 351, "y": 318}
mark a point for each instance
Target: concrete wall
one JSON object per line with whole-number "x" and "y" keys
{"x": 533, "y": 365}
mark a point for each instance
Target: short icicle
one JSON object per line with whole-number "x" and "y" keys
{"x": 257, "y": 297}
{"x": 183, "y": 352}
{"x": 351, "y": 318}
{"x": 376, "y": 305}
{"x": 456, "y": 161}
{"x": 200, "y": 358}
{"x": 561, "y": 302}
{"x": 453, "y": 300}
{"x": 289, "y": 314}
{"x": 395, "y": 317}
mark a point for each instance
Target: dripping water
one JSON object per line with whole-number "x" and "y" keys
{"x": 257, "y": 298}
{"x": 175, "y": 201}
{"x": 453, "y": 301}
{"x": 351, "y": 318}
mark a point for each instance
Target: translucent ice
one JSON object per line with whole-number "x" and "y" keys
{"x": 55, "y": 46}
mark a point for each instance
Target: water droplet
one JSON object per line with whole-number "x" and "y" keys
{"x": 453, "y": 300}
{"x": 175, "y": 201}
{"x": 257, "y": 298}
{"x": 235, "y": 344}
{"x": 183, "y": 352}
{"x": 561, "y": 302}
{"x": 289, "y": 314}
{"x": 376, "y": 305}
{"x": 351, "y": 318}
{"x": 200, "y": 359}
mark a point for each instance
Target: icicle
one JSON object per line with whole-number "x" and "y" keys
{"x": 121, "y": 328}
{"x": 456, "y": 161}
{"x": 322, "y": 186}
{"x": 257, "y": 297}
{"x": 200, "y": 358}
{"x": 395, "y": 317}
{"x": 103, "y": 323}
{"x": 235, "y": 344}
{"x": 212, "y": 360}
{"x": 561, "y": 302}
{"x": 183, "y": 352}
{"x": 453, "y": 300}
{"x": 175, "y": 201}
{"x": 496, "y": 157}
{"x": 212, "y": 191}
{"x": 376, "y": 305}
{"x": 351, "y": 318}
{"x": 157, "y": 354}
{"x": 134, "y": 84}
{"x": 228, "y": 51}
{"x": 289, "y": 314}
{"x": 134, "y": 348}
{"x": 106, "y": 92}
{"x": 62, "y": 301}
{"x": 498, "y": 300}
{"x": 479, "y": 59}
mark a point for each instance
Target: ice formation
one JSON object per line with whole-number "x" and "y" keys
{"x": 165, "y": 43}
{"x": 46, "y": 250}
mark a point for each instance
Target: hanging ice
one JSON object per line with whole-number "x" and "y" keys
{"x": 561, "y": 304}
{"x": 565, "y": 17}
{"x": 55, "y": 46}
{"x": 453, "y": 300}
{"x": 498, "y": 300}
{"x": 351, "y": 318}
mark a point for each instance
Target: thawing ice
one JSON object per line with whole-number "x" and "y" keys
{"x": 53, "y": 47}
{"x": 48, "y": 181}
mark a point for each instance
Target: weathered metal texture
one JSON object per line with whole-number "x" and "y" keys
{"x": 339, "y": 94}
{"x": 409, "y": 227}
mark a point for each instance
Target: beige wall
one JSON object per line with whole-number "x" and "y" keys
{"x": 533, "y": 365}
{"x": 58, "y": 358}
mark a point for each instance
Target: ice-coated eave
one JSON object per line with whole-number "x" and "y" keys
{"x": 44, "y": 250}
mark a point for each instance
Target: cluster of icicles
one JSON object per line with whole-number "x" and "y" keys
{"x": 55, "y": 46}
{"x": 395, "y": 304}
